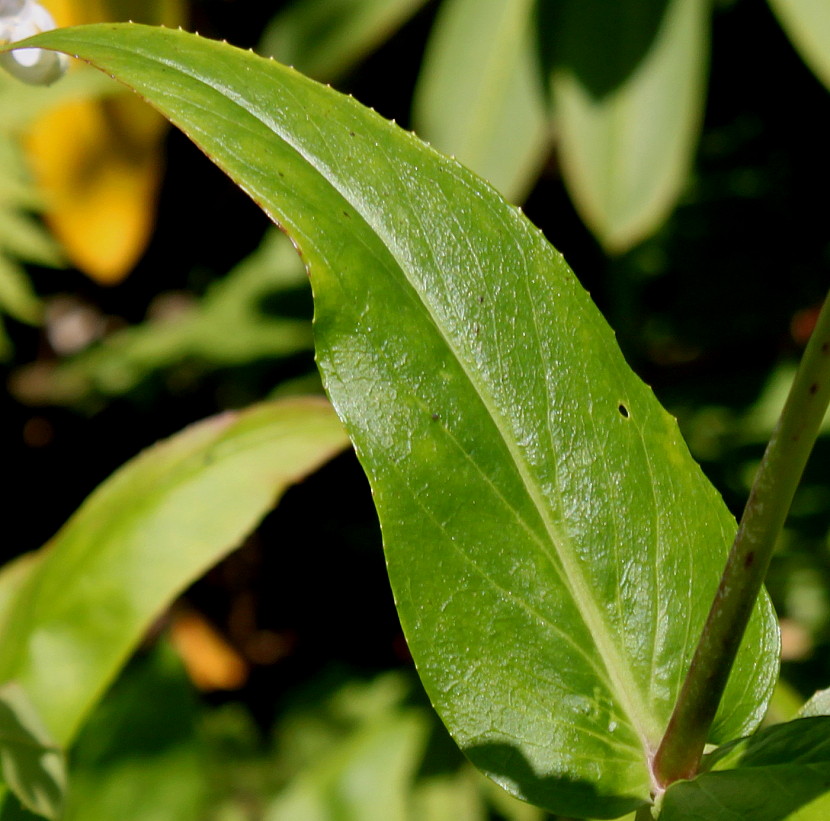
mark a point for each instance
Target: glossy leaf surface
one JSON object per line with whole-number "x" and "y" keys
{"x": 480, "y": 94}
{"x": 807, "y": 23}
{"x": 782, "y": 772}
{"x": 628, "y": 86}
{"x": 142, "y": 537}
{"x": 552, "y": 547}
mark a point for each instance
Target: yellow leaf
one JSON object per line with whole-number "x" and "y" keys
{"x": 99, "y": 161}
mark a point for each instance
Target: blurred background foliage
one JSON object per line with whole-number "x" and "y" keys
{"x": 674, "y": 150}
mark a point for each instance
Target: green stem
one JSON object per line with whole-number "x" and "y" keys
{"x": 681, "y": 748}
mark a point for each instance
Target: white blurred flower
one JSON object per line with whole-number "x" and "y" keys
{"x": 20, "y": 19}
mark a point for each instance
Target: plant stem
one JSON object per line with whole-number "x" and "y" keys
{"x": 681, "y": 748}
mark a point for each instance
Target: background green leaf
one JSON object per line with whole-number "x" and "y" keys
{"x": 145, "y": 534}
{"x": 552, "y": 547}
{"x": 244, "y": 317}
{"x": 781, "y": 772}
{"x": 807, "y": 23}
{"x": 324, "y": 38}
{"x": 817, "y": 705}
{"x": 366, "y": 779}
{"x": 138, "y": 757}
{"x": 628, "y": 84}
{"x": 480, "y": 93}
{"x": 32, "y": 764}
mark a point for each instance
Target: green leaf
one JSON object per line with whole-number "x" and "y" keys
{"x": 628, "y": 85}
{"x": 138, "y": 756}
{"x": 452, "y": 797}
{"x": 13, "y": 575}
{"x": 817, "y": 705}
{"x": 368, "y": 777}
{"x": 552, "y": 547}
{"x": 32, "y": 764}
{"x": 144, "y": 535}
{"x": 229, "y": 326}
{"x": 480, "y": 95}
{"x": 325, "y": 38}
{"x": 807, "y": 24}
{"x": 782, "y": 772}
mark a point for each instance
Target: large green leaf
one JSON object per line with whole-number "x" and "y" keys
{"x": 553, "y": 548}
{"x": 480, "y": 94}
{"x": 807, "y": 23}
{"x": 628, "y": 86}
{"x": 144, "y": 535}
{"x": 782, "y": 772}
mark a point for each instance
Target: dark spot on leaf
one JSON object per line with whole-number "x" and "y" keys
{"x": 481, "y": 300}
{"x": 436, "y": 417}
{"x": 351, "y": 133}
{"x": 346, "y": 214}
{"x": 476, "y": 329}
{"x": 814, "y": 389}
{"x": 750, "y": 559}
{"x": 825, "y": 348}
{"x": 623, "y": 411}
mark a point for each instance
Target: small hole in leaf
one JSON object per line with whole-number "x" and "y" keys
{"x": 623, "y": 411}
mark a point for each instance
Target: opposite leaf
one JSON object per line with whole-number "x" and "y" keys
{"x": 552, "y": 547}
{"x": 782, "y": 772}
{"x": 141, "y": 538}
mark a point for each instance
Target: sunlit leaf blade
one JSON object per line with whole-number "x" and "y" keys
{"x": 628, "y": 85}
{"x": 552, "y": 547}
{"x": 782, "y": 772}
{"x": 480, "y": 94}
{"x": 324, "y": 38}
{"x": 143, "y": 536}
{"x": 807, "y": 23}
{"x": 31, "y": 763}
